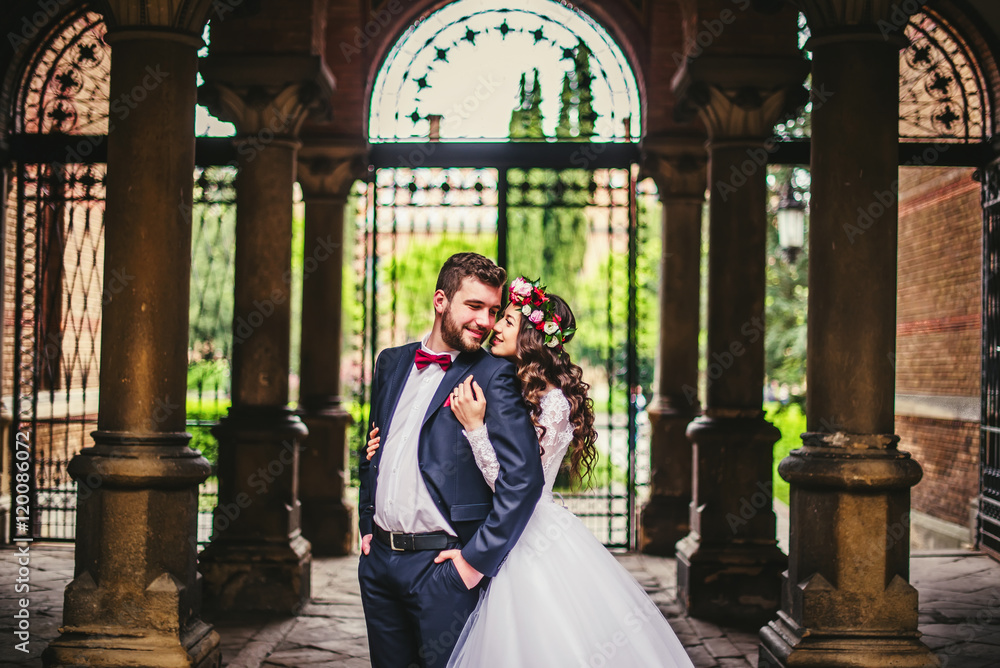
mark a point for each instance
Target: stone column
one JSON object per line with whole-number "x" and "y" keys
{"x": 326, "y": 172}
{"x": 677, "y": 164}
{"x": 729, "y": 566}
{"x": 135, "y": 597}
{"x": 258, "y": 558}
{"x": 847, "y": 600}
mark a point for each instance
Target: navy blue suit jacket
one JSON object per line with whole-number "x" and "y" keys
{"x": 488, "y": 523}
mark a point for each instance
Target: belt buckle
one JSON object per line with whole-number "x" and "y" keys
{"x": 392, "y": 541}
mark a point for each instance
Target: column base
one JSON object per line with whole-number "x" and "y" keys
{"x": 330, "y": 526}
{"x": 785, "y": 644}
{"x": 736, "y": 585}
{"x": 664, "y": 520}
{"x": 116, "y": 647}
{"x": 255, "y": 576}
{"x": 666, "y": 517}
{"x": 328, "y": 521}
{"x": 258, "y": 559}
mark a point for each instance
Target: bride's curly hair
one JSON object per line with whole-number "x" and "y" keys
{"x": 538, "y": 366}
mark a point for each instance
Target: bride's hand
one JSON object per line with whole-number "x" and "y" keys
{"x": 373, "y": 442}
{"x": 469, "y": 404}
{"x": 470, "y": 576}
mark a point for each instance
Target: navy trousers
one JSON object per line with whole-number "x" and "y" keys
{"x": 414, "y": 609}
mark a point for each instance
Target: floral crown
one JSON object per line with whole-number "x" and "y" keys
{"x": 536, "y": 307}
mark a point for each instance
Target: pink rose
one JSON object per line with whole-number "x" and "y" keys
{"x": 536, "y": 316}
{"x": 521, "y": 288}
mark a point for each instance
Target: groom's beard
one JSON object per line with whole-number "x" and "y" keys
{"x": 457, "y": 337}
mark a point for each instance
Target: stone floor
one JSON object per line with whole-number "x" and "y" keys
{"x": 959, "y": 614}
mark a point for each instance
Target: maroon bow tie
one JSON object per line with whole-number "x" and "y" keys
{"x": 422, "y": 360}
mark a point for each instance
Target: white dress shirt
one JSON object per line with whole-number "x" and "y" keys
{"x": 402, "y": 502}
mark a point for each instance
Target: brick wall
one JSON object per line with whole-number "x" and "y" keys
{"x": 948, "y": 451}
{"x": 938, "y": 330}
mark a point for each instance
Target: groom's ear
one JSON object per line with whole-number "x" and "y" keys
{"x": 440, "y": 302}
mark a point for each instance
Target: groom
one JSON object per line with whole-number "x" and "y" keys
{"x": 422, "y": 493}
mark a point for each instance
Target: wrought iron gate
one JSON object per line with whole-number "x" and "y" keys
{"x": 580, "y": 231}
{"x": 989, "y": 436}
{"x": 57, "y": 285}
{"x": 56, "y": 278}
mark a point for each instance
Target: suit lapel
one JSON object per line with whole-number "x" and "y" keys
{"x": 398, "y": 379}
{"x": 453, "y": 376}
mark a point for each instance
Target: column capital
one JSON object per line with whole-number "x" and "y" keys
{"x": 266, "y": 94}
{"x": 327, "y": 167}
{"x": 677, "y": 164}
{"x": 741, "y": 98}
{"x": 166, "y": 17}
{"x": 879, "y": 19}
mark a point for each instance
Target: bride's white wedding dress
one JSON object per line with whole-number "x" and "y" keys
{"x": 560, "y": 599}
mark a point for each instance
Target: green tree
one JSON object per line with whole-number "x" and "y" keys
{"x": 786, "y": 299}
{"x": 586, "y": 117}
{"x": 526, "y": 118}
{"x": 420, "y": 263}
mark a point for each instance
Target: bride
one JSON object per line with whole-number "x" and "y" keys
{"x": 560, "y": 598}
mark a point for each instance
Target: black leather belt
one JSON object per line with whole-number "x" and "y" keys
{"x": 411, "y": 542}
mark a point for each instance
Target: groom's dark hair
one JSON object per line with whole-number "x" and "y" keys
{"x": 462, "y": 265}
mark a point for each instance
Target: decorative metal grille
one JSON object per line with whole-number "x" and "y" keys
{"x": 942, "y": 91}
{"x": 989, "y": 436}
{"x": 210, "y": 324}
{"x": 446, "y": 70}
{"x": 582, "y": 232}
{"x": 55, "y": 256}
{"x": 58, "y": 288}
{"x": 942, "y": 94}
{"x": 67, "y": 86}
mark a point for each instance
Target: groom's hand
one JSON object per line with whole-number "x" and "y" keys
{"x": 470, "y": 576}
{"x": 366, "y": 543}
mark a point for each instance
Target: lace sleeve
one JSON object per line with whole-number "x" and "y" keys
{"x": 486, "y": 456}
{"x": 558, "y": 431}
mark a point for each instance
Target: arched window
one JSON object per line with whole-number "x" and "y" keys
{"x": 942, "y": 92}
{"x": 465, "y": 70}
{"x": 943, "y": 95}
{"x": 65, "y": 88}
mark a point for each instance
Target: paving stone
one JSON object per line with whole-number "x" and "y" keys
{"x": 722, "y": 648}
{"x": 701, "y": 658}
{"x": 747, "y": 647}
{"x": 959, "y": 595}
{"x": 733, "y": 663}
{"x": 705, "y": 629}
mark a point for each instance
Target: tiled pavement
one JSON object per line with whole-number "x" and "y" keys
{"x": 959, "y": 614}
